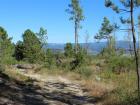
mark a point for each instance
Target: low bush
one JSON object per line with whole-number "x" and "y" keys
{"x": 80, "y": 59}
{"x": 8, "y": 61}
{"x": 49, "y": 59}
{"x": 121, "y": 97}
{"x": 107, "y": 52}
{"x": 83, "y": 71}
{"x": 129, "y": 99}
{"x": 120, "y": 64}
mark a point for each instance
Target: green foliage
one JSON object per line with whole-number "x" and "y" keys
{"x": 77, "y": 16}
{"x": 76, "y": 11}
{"x": 127, "y": 98}
{"x": 32, "y": 47}
{"x": 74, "y": 60}
{"x": 19, "y": 49}
{"x": 85, "y": 72}
{"x": 106, "y": 29}
{"x": 126, "y": 8}
{"x": 106, "y": 33}
{"x": 49, "y": 59}
{"x": 79, "y": 59}
{"x": 109, "y": 3}
{"x": 126, "y": 4}
{"x": 59, "y": 57}
{"x": 6, "y": 48}
{"x": 69, "y": 51}
{"x": 120, "y": 64}
{"x": 107, "y": 52}
{"x": 42, "y": 36}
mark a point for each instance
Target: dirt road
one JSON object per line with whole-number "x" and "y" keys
{"x": 50, "y": 90}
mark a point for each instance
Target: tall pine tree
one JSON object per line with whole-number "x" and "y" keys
{"x": 32, "y": 47}
{"x": 6, "y": 47}
{"x": 77, "y": 16}
{"x": 128, "y": 7}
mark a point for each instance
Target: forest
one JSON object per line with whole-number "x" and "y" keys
{"x": 31, "y": 73}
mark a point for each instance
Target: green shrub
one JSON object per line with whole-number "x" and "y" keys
{"x": 59, "y": 58}
{"x": 69, "y": 51}
{"x": 131, "y": 100}
{"x": 107, "y": 52}
{"x": 83, "y": 71}
{"x": 18, "y": 53}
{"x": 31, "y": 48}
{"x": 65, "y": 64}
{"x": 120, "y": 63}
{"x": 49, "y": 59}
{"x": 127, "y": 98}
{"x": 6, "y": 48}
{"x": 79, "y": 59}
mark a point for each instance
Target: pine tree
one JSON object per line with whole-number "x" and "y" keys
{"x": 32, "y": 47}
{"x": 106, "y": 31}
{"x": 77, "y": 16}
{"x": 6, "y": 47}
{"x": 42, "y": 36}
{"x": 128, "y": 7}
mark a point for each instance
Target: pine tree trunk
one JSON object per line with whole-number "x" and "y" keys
{"x": 139, "y": 51}
{"x": 139, "y": 44}
{"x": 110, "y": 44}
{"x": 129, "y": 41}
{"x": 76, "y": 37}
{"x": 134, "y": 44}
{"x": 77, "y": 42}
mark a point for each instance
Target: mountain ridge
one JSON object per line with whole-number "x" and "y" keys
{"x": 93, "y": 47}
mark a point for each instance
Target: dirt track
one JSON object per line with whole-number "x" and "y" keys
{"x": 55, "y": 90}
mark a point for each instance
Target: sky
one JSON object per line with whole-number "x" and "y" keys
{"x": 19, "y": 15}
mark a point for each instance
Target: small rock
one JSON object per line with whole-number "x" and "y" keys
{"x": 24, "y": 66}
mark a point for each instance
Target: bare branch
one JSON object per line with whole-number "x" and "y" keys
{"x": 126, "y": 29}
{"x": 124, "y": 10}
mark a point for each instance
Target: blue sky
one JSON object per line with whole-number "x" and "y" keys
{"x": 19, "y": 15}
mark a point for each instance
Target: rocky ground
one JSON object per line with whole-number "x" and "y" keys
{"x": 50, "y": 90}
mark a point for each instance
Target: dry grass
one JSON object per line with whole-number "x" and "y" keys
{"x": 56, "y": 72}
{"x": 15, "y": 74}
{"x": 97, "y": 88}
{"x": 125, "y": 84}
{"x": 112, "y": 88}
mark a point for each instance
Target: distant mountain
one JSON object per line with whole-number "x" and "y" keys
{"x": 95, "y": 47}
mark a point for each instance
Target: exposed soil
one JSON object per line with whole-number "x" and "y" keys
{"x": 51, "y": 90}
